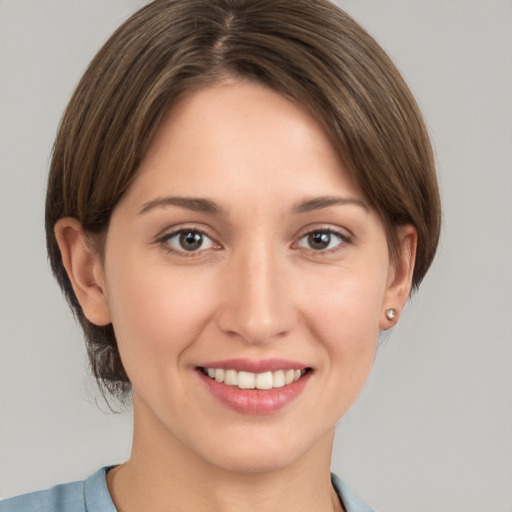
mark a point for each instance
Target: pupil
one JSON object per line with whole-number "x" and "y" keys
{"x": 191, "y": 241}
{"x": 319, "y": 240}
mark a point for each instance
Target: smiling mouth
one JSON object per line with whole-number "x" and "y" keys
{"x": 249, "y": 380}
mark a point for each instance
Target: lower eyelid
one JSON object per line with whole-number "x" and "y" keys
{"x": 165, "y": 242}
{"x": 342, "y": 238}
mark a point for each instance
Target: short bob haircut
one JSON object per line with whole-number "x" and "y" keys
{"x": 307, "y": 50}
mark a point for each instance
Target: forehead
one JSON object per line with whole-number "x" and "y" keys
{"x": 240, "y": 139}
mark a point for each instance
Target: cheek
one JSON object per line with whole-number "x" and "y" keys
{"x": 343, "y": 313}
{"x": 156, "y": 314}
{"x": 345, "y": 326}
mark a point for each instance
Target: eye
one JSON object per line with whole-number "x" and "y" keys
{"x": 188, "y": 240}
{"x": 321, "y": 240}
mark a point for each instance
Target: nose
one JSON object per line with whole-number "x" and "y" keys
{"x": 257, "y": 303}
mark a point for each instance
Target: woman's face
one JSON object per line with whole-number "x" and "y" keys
{"x": 243, "y": 250}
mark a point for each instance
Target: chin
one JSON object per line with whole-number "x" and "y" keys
{"x": 267, "y": 453}
{"x": 255, "y": 461}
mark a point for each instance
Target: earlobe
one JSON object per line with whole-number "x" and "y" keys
{"x": 84, "y": 270}
{"x": 399, "y": 277}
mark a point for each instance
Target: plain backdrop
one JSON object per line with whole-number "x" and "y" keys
{"x": 432, "y": 430}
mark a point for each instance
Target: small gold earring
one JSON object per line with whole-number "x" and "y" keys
{"x": 391, "y": 314}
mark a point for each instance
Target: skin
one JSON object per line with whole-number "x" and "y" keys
{"x": 255, "y": 289}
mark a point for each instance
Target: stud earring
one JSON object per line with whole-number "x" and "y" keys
{"x": 391, "y": 314}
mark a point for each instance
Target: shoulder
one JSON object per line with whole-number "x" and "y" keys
{"x": 84, "y": 496}
{"x": 68, "y": 497}
{"x": 349, "y": 500}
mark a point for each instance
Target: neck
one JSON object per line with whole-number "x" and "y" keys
{"x": 162, "y": 473}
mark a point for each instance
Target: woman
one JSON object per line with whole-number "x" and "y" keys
{"x": 242, "y": 195}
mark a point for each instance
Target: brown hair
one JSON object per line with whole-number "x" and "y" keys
{"x": 309, "y": 50}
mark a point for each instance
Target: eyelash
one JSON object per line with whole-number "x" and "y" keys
{"x": 343, "y": 240}
{"x": 165, "y": 241}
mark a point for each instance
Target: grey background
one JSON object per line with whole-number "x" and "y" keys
{"x": 432, "y": 431}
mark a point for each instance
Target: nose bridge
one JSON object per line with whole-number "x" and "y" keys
{"x": 257, "y": 306}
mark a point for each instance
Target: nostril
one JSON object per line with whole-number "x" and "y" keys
{"x": 254, "y": 328}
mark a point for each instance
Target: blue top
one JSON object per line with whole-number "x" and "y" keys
{"x": 92, "y": 495}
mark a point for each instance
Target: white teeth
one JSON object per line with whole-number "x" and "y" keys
{"x": 246, "y": 380}
{"x": 264, "y": 380}
{"x": 288, "y": 377}
{"x": 279, "y": 381}
{"x": 231, "y": 378}
{"x": 249, "y": 380}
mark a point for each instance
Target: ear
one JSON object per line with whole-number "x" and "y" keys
{"x": 400, "y": 275}
{"x": 84, "y": 270}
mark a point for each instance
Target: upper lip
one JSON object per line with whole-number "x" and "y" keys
{"x": 249, "y": 365}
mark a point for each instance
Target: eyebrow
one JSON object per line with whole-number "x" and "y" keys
{"x": 317, "y": 203}
{"x": 196, "y": 204}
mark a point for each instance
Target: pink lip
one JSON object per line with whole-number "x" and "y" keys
{"x": 248, "y": 365}
{"x": 255, "y": 401}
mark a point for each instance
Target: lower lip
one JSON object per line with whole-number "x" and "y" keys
{"x": 255, "y": 401}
